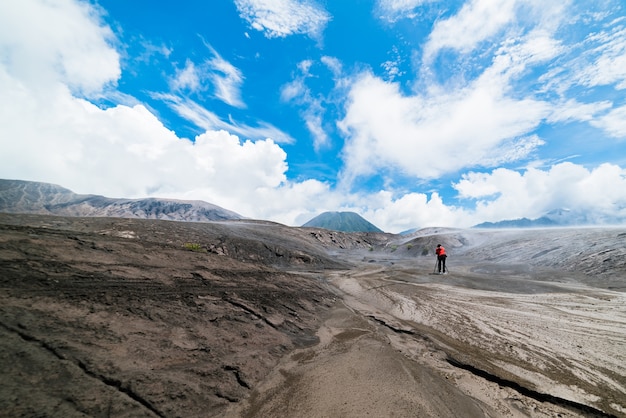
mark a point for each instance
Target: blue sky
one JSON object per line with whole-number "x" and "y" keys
{"x": 412, "y": 113}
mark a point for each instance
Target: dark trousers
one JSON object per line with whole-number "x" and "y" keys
{"x": 441, "y": 262}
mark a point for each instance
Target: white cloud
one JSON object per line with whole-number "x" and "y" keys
{"x": 333, "y": 64}
{"x": 41, "y": 45}
{"x": 607, "y": 64}
{"x": 411, "y": 210}
{"x": 392, "y": 66}
{"x": 127, "y": 152}
{"x": 186, "y": 79}
{"x": 499, "y": 195}
{"x": 228, "y": 164}
{"x": 614, "y": 122}
{"x": 227, "y": 80}
{"x": 481, "y": 118}
{"x": 296, "y": 91}
{"x": 572, "y": 110}
{"x": 151, "y": 50}
{"x": 49, "y": 134}
{"x": 477, "y": 21}
{"x": 293, "y": 90}
{"x": 496, "y": 22}
{"x": 54, "y": 53}
{"x": 427, "y": 136}
{"x": 281, "y": 18}
{"x": 512, "y": 150}
{"x": 393, "y": 10}
{"x": 207, "y": 120}
{"x": 598, "y": 59}
{"x": 508, "y": 194}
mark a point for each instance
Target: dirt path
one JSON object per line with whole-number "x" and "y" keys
{"x": 402, "y": 347}
{"x": 356, "y": 371}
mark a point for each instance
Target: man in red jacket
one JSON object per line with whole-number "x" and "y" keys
{"x": 441, "y": 258}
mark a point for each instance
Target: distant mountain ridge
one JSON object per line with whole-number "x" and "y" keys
{"x": 556, "y": 218}
{"x": 519, "y": 223}
{"x": 342, "y": 221}
{"x": 18, "y": 196}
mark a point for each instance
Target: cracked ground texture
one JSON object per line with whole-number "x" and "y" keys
{"x": 118, "y": 317}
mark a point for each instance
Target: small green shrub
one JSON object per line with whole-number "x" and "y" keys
{"x": 193, "y": 246}
{"x": 424, "y": 251}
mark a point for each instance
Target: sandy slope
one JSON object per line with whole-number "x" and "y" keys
{"x": 117, "y": 317}
{"x": 497, "y": 337}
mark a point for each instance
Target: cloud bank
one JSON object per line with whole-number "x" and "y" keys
{"x": 58, "y": 58}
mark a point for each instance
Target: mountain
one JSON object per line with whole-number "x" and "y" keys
{"x": 342, "y": 221}
{"x": 557, "y": 218}
{"x": 17, "y": 196}
{"x": 519, "y": 223}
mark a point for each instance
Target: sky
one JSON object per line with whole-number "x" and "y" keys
{"x": 411, "y": 113}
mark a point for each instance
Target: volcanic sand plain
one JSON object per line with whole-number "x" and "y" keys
{"x": 116, "y": 317}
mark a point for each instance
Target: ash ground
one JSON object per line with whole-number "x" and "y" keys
{"x": 118, "y": 317}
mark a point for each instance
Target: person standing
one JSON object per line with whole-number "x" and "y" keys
{"x": 441, "y": 258}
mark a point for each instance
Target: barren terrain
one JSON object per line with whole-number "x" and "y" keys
{"x": 117, "y": 317}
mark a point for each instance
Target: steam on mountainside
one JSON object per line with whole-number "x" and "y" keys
{"x": 18, "y": 196}
{"x": 342, "y": 221}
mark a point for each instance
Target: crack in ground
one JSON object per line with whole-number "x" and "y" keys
{"x": 391, "y": 327}
{"x": 533, "y": 394}
{"x": 237, "y": 372}
{"x": 114, "y": 383}
{"x": 538, "y": 396}
{"x": 250, "y": 311}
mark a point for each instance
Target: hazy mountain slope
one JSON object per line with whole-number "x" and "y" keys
{"x": 557, "y": 217}
{"x": 594, "y": 255}
{"x": 342, "y": 221}
{"x": 519, "y": 223}
{"x": 18, "y": 196}
{"x": 32, "y": 197}
{"x": 592, "y": 251}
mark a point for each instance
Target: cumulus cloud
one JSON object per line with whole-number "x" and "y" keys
{"x": 126, "y": 151}
{"x": 428, "y": 136}
{"x": 57, "y": 55}
{"x": 281, "y": 18}
{"x": 499, "y": 195}
{"x": 508, "y": 194}
{"x": 40, "y": 45}
{"x": 50, "y": 134}
{"x": 478, "y": 118}
{"x": 410, "y": 210}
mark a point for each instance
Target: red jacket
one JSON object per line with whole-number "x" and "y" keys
{"x": 440, "y": 251}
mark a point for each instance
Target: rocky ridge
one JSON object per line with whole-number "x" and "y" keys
{"x": 18, "y": 196}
